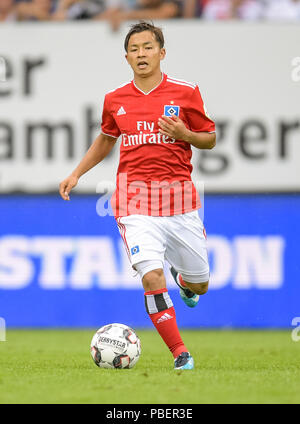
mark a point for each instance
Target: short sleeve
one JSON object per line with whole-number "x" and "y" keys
{"x": 197, "y": 115}
{"x": 108, "y": 125}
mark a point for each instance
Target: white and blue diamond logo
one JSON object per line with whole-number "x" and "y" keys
{"x": 135, "y": 250}
{"x": 171, "y": 110}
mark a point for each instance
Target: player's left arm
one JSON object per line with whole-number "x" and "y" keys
{"x": 174, "y": 127}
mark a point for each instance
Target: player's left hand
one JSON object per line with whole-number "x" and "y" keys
{"x": 173, "y": 127}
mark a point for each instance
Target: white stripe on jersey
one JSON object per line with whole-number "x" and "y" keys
{"x": 109, "y": 135}
{"x": 181, "y": 82}
{"x": 120, "y": 86}
{"x": 146, "y": 94}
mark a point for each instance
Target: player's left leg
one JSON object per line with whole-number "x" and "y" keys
{"x": 187, "y": 254}
{"x": 197, "y": 288}
{"x": 189, "y": 292}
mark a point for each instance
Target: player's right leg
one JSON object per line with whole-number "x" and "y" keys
{"x": 145, "y": 244}
{"x": 161, "y": 311}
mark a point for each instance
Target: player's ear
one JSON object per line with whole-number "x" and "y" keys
{"x": 162, "y": 53}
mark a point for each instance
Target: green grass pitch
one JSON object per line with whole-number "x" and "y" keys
{"x": 55, "y": 366}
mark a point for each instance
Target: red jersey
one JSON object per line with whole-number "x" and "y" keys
{"x": 154, "y": 173}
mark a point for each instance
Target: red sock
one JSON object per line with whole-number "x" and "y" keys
{"x": 162, "y": 313}
{"x": 181, "y": 281}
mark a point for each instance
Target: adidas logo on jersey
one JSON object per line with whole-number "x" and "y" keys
{"x": 164, "y": 317}
{"x": 121, "y": 111}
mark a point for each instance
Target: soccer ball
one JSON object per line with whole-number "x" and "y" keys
{"x": 115, "y": 346}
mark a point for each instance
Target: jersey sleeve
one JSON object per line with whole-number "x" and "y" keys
{"x": 197, "y": 114}
{"x": 109, "y": 125}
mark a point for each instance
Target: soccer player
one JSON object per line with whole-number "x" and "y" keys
{"x": 156, "y": 203}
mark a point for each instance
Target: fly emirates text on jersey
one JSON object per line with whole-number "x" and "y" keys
{"x": 150, "y": 137}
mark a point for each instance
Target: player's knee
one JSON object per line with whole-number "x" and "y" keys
{"x": 202, "y": 288}
{"x": 154, "y": 280}
{"x": 199, "y": 288}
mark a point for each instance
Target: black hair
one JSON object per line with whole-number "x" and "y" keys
{"x": 145, "y": 26}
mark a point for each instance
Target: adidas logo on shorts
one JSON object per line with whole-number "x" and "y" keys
{"x": 164, "y": 317}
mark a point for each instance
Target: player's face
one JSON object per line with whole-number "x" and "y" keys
{"x": 144, "y": 53}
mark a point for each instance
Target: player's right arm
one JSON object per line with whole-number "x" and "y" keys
{"x": 100, "y": 148}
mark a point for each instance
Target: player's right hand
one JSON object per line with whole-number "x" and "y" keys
{"x": 66, "y": 186}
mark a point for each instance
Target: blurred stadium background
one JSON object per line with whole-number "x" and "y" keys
{"x": 63, "y": 265}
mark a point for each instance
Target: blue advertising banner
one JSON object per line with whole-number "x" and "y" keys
{"x": 63, "y": 265}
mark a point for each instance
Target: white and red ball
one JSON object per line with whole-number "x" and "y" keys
{"x": 115, "y": 346}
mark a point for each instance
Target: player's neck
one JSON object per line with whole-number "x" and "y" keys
{"x": 147, "y": 83}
